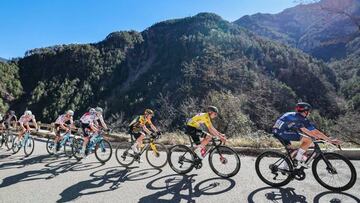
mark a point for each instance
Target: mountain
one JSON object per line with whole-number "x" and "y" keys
{"x": 3, "y": 60}
{"x": 322, "y": 29}
{"x": 177, "y": 67}
{"x": 10, "y": 86}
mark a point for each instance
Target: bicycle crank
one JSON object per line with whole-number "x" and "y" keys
{"x": 299, "y": 174}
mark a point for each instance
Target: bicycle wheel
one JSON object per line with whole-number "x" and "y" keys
{"x": 334, "y": 172}
{"x": 9, "y": 140}
{"x": 68, "y": 147}
{"x": 16, "y": 145}
{"x": 157, "y": 155}
{"x": 29, "y": 146}
{"x": 103, "y": 151}
{"x": 124, "y": 157}
{"x": 50, "y": 144}
{"x": 274, "y": 168}
{"x": 2, "y": 139}
{"x": 77, "y": 147}
{"x": 181, "y": 159}
{"x": 224, "y": 161}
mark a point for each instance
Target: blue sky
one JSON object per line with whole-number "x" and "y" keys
{"x": 32, "y": 24}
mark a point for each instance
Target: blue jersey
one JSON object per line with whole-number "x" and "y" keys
{"x": 292, "y": 122}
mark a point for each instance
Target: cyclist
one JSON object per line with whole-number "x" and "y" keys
{"x": 201, "y": 126}
{"x": 24, "y": 122}
{"x": 89, "y": 124}
{"x": 295, "y": 126}
{"x": 62, "y": 123}
{"x": 9, "y": 118}
{"x": 138, "y": 128}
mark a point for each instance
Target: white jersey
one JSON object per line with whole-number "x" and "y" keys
{"x": 87, "y": 118}
{"x": 26, "y": 119}
{"x": 63, "y": 119}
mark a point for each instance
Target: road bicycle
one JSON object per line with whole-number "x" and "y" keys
{"x": 66, "y": 142}
{"x": 223, "y": 160}
{"x": 151, "y": 148}
{"x": 331, "y": 170}
{"x": 97, "y": 144}
{"x": 26, "y": 141}
{"x": 6, "y": 138}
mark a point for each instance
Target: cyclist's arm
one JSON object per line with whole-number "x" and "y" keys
{"x": 35, "y": 124}
{"x": 92, "y": 127}
{"x": 15, "y": 123}
{"x": 153, "y": 128}
{"x": 213, "y": 131}
{"x": 146, "y": 129}
{"x": 103, "y": 124}
{"x": 64, "y": 127}
{"x": 317, "y": 134}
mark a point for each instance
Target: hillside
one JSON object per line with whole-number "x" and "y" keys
{"x": 177, "y": 67}
{"x": 321, "y": 29}
{"x": 10, "y": 86}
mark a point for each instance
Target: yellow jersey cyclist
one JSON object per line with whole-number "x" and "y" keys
{"x": 138, "y": 128}
{"x": 197, "y": 125}
{"x": 295, "y": 126}
{"x": 62, "y": 123}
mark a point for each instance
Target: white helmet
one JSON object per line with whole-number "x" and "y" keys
{"x": 99, "y": 110}
{"x": 70, "y": 112}
{"x": 92, "y": 111}
{"x": 28, "y": 113}
{"x": 1, "y": 117}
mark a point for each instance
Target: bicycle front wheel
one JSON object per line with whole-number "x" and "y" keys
{"x": 9, "y": 140}
{"x": 68, "y": 147}
{"x": 224, "y": 161}
{"x": 157, "y": 155}
{"x": 124, "y": 157}
{"x": 2, "y": 139}
{"x": 334, "y": 172}
{"x": 50, "y": 144}
{"x": 103, "y": 151}
{"x": 16, "y": 145}
{"x": 29, "y": 146}
{"x": 181, "y": 159}
{"x": 274, "y": 168}
{"x": 77, "y": 147}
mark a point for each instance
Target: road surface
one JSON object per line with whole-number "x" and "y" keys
{"x": 45, "y": 178}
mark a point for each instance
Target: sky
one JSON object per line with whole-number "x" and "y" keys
{"x": 26, "y": 24}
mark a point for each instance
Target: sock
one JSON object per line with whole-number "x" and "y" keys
{"x": 299, "y": 154}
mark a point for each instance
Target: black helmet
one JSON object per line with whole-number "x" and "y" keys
{"x": 302, "y": 107}
{"x": 213, "y": 109}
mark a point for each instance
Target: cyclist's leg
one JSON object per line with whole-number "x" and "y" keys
{"x": 85, "y": 128}
{"x": 305, "y": 143}
{"x": 57, "y": 135}
{"x": 139, "y": 137}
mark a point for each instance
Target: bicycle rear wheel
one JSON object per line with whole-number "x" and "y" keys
{"x": 224, "y": 161}
{"x": 103, "y": 151}
{"x": 2, "y": 139}
{"x": 77, "y": 147}
{"x": 274, "y": 168}
{"x": 181, "y": 159}
{"x": 334, "y": 172}
{"x": 157, "y": 155}
{"x": 29, "y": 146}
{"x": 50, "y": 144}
{"x": 124, "y": 157}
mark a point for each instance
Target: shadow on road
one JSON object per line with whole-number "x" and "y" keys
{"x": 181, "y": 187}
{"x": 49, "y": 171}
{"x": 275, "y": 194}
{"x": 22, "y": 162}
{"x": 105, "y": 180}
{"x": 335, "y": 197}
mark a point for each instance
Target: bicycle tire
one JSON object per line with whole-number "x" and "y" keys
{"x": 49, "y": 146}
{"x": 229, "y": 150}
{"x": 175, "y": 149}
{"x": 97, "y": 148}
{"x": 30, "y": 142}
{"x": 340, "y": 157}
{"x": 272, "y": 154}
{"x": 159, "y": 147}
{"x": 121, "y": 156}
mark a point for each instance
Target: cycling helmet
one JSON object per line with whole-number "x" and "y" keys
{"x": 149, "y": 112}
{"x": 303, "y": 107}
{"x": 213, "y": 109}
{"x": 70, "y": 112}
{"x": 99, "y": 110}
{"x": 11, "y": 112}
{"x": 92, "y": 111}
{"x": 1, "y": 117}
{"x": 28, "y": 113}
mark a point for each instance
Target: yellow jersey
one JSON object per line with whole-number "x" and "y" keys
{"x": 137, "y": 124}
{"x": 200, "y": 121}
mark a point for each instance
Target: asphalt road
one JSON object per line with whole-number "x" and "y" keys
{"x": 44, "y": 178}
